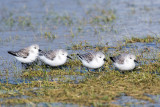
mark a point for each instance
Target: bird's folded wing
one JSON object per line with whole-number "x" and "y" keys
{"x": 88, "y": 57}
{"x": 50, "y": 55}
{"x": 120, "y": 59}
{"x": 23, "y": 53}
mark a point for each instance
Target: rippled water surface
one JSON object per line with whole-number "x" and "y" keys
{"x": 26, "y": 22}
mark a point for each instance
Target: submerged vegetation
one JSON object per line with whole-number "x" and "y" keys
{"x": 99, "y": 89}
{"x": 85, "y": 45}
{"x": 69, "y": 84}
{"x": 147, "y": 39}
{"x": 20, "y": 21}
{"x": 49, "y": 35}
{"x": 72, "y": 83}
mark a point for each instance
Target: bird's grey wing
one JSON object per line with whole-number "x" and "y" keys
{"x": 50, "y": 54}
{"x": 22, "y": 53}
{"x": 120, "y": 58}
{"x": 88, "y": 57}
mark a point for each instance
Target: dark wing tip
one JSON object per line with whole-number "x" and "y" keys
{"x": 12, "y": 53}
{"x": 41, "y": 52}
{"x": 79, "y": 56}
{"x": 112, "y": 58}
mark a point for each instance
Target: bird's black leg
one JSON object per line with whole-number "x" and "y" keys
{"x": 60, "y": 67}
{"x": 88, "y": 69}
{"x": 122, "y": 72}
{"x": 24, "y": 65}
{"x": 100, "y": 69}
{"x": 27, "y": 65}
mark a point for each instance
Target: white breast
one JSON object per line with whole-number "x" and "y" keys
{"x": 30, "y": 58}
{"x": 93, "y": 64}
{"x": 56, "y": 62}
{"x": 125, "y": 66}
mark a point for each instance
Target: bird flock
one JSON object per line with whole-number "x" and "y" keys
{"x": 58, "y": 57}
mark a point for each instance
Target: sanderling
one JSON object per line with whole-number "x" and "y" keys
{"x": 124, "y": 61}
{"x": 26, "y": 55}
{"x": 92, "y": 60}
{"x": 54, "y": 57}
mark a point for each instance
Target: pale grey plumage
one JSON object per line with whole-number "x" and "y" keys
{"x": 92, "y": 60}
{"x": 54, "y": 57}
{"x": 50, "y": 54}
{"x": 120, "y": 58}
{"x": 26, "y": 55}
{"x": 23, "y": 53}
{"x": 124, "y": 61}
{"x": 88, "y": 57}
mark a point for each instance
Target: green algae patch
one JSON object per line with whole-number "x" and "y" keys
{"x": 49, "y": 35}
{"x": 103, "y": 17}
{"x": 152, "y": 67}
{"x": 73, "y": 63}
{"x": 147, "y": 39}
{"x": 95, "y": 88}
{"x": 85, "y": 45}
{"x": 58, "y": 72}
{"x": 81, "y": 45}
{"x": 100, "y": 88}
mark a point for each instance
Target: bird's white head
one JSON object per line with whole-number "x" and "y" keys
{"x": 63, "y": 53}
{"x": 34, "y": 48}
{"x": 130, "y": 58}
{"x": 100, "y": 56}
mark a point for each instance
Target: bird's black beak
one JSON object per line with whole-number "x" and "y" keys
{"x": 104, "y": 59}
{"x": 136, "y": 61}
{"x": 69, "y": 57}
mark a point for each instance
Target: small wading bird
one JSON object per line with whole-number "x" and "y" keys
{"x": 92, "y": 60}
{"x": 26, "y": 55}
{"x": 124, "y": 62}
{"x": 54, "y": 57}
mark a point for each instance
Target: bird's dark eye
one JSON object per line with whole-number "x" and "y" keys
{"x": 34, "y": 47}
{"x": 130, "y": 58}
{"x": 100, "y": 57}
{"x": 62, "y": 54}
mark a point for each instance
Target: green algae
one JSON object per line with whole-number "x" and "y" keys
{"x": 49, "y": 35}
{"x": 147, "y": 39}
{"x": 102, "y": 88}
{"x": 85, "y": 45}
{"x": 96, "y": 88}
{"x": 81, "y": 45}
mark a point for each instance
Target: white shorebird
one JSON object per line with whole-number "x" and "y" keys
{"x": 26, "y": 55}
{"x": 54, "y": 57}
{"x": 92, "y": 60}
{"x": 124, "y": 62}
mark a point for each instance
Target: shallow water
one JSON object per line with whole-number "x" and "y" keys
{"x": 23, "y": 23}
{"x": 45, "y": 105}
{"x": 132, "y": 102}
{"x": 144, "y": 20}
